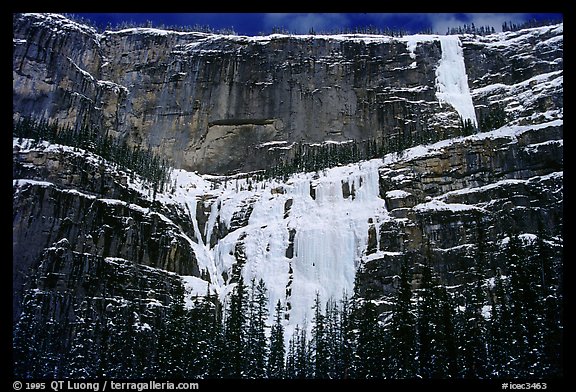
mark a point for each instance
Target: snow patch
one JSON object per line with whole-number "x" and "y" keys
{"x": 487, "y": 312}
{"x": 397, "y": 194}
{"x": 438, "y": 205}
{"x": 194, "y": 287}
{"x": 21, "y": 182}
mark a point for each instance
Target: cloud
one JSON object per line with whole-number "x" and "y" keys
{"x": 442, "y": 22}
{"x": 302, "y": 23}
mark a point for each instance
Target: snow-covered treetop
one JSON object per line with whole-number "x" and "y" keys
{"x": 59, "y": 23}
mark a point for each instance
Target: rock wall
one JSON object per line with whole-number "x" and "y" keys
{"x": 87, "y": 230}
{"x": 196, "y": 98}
{"x": 467, "y": 196}
{"x": 60, "y": 195}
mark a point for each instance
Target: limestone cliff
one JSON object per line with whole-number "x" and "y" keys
{"x": 212, "y": 103}
{"x": 90, "y": 234}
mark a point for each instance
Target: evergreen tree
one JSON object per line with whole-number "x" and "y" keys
{"x": 473, "y": 325}
{"x": 319, "y": 343}
{"x": 333, "y": 340}
{"x": 218, "y": 354}
{"x": 445, "y": 364}
{"x": 257, "y": 347}
{"x": 201, "y": 325}
{"x": 26, "y": 344}
{"x": 347, "y": 339}
{"x": 119, "y": 343}
{"x": 235, "y": 333}
{"x": 369, "y": 356}
{"x": 291, "y": 356}
{"x": 302, "y": 368}
{"x": 52, "y": 352}
{"x": 473, "y": 332}
{"x": 427, "y": 324}
{"x": 519, "y": 295}
{"x": 277, "y": 349}
{"x": 551, "y": 298}
{"x": 172, "y": 350}
{"x": 499, "y": 337}
{"x": 145, "y": 343}
{"x": 403, "y": 330}
{"x": 84, "y": 354}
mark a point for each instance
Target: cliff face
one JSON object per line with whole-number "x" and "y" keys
{"x": 86, "y": 231}
{"x": 196, "y": 97}
{"x": 62, "y": 194}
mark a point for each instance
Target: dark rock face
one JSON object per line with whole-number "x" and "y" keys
{"x": 521, "y": 75}
{"x": 92, "y": 226}
{"x": 64, "y": 194}
{"x": 71, "y": 294}
{"x": 196, "y": 97}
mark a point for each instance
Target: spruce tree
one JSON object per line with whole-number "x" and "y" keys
{"x": 403, "y": 330}
{"x": 84, "y": 354}
{"x": 499, "y": 334}
{"x": 446, "y": 362}
{"x": 277, "y": 349}
{"x": 551, "y": 299}
{"x": 302, "y": 368}
{"x": 369, "y": 343}
{"x": 26, "y": 344}
{"x": 200, "y": 326}
{"x": 235, "y": 333}
{"x": 520, "y": 346}
{"x": 217, "y": 357}
{"x": 473, "y": 333}
{"x": 118, "y": 348}
{"x": 347, "y": 339}
{"x": 333, "y": 340}
{"x": 290, "y": 369}
{"x": 257, "y": 346}
{"x": 174, "y": 338}
{"x": 427, "y": 324}
{"x": 318, "y": 343}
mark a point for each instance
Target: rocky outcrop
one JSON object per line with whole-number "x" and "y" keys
{"x": 60, "y": 193}
{"x": 73, "y": 296}
{"x": 519, "y": 73}
{"x": 450, "y": 202}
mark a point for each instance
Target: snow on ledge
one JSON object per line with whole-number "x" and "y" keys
{"x": 438, "y": 205}
{"x": 24, "y": 181}
{"x": 397, "y": 194}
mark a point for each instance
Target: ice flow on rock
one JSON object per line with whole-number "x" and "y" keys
{"x": 452, "y": 80}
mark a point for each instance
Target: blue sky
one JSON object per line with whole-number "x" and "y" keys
{"x": 256, "y": 23}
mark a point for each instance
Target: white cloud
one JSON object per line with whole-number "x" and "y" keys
{"x": 302, "y": 23}
{"x": 439, "y": 22}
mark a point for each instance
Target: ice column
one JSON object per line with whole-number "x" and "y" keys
{"x": 451, "y": 79}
